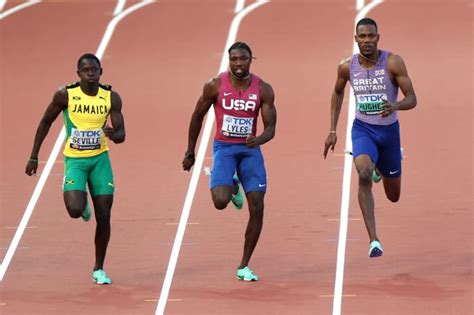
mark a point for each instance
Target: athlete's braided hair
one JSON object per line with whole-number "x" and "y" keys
{"x": 367, "y": 21}
{"x": 87, "y": 56}
{"x": 240, "y": 45}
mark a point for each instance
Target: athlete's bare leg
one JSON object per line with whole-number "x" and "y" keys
{"x": 75, "y": 201}
{"x": 365, "y": 168}
{"x": 221, "y": 195}
{"x": 392, "y": 187}
{"x": 102, "y": 209}
{"x": 254, "y": 225}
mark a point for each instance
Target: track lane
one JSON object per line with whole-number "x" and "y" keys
{"x": 296, "y": 254}
{"x": 37, "y": 245}
{"x": 426, "y": 267}
{"x": 32, "y": 68}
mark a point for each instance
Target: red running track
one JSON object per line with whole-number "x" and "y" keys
{"x": 158, "y": 59}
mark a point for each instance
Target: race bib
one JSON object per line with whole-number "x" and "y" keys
{"x": 369, "y": 104}
{"x": 238, "y": 127}
{"x": 85, "y": 139}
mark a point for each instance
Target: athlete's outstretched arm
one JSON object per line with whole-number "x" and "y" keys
{"x": 116, "y": 133}
{"x": 209, "y": 96}
{"x": 336, "y": 104}
{"x": 399, "y": 75}
{"x": 269, "y": 116}
{"x": 59, "y": 102}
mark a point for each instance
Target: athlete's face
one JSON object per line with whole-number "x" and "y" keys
{"x": 367, "y": 39}
{"x": 239, "y": 62}
{"x": 89, "y": 71}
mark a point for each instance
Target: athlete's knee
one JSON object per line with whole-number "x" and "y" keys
{"x": 75, "y": 202}
{"x": 102, "y": 216}
{"x": 74, "y": 210}
{"x": 75, "y": 213}
{"x": 220, "y": 203}
{"x": 256, "y": 207}
{"x": 393, "y": 197}
{"x": 221, "y": 197}
{"x": 392, "y": 189}
{"x": 257, "y": 213}
{"x": 365, "y": 176}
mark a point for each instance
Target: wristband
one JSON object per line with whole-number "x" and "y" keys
{"x": 332, "y": 131}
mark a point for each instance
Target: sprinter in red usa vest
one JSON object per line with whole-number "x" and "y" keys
{"x": 238, "y": 97}
{"x": 236, "y": 111}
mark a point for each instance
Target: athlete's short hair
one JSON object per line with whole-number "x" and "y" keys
{"x": 240, "y": 45}
{"x": 87, "y": 56}
{"x": 367, "y": 21}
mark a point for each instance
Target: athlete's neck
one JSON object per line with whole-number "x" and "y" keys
{"x": 371, "y": 60}
{"x": 240, "y": 78}
{"x": 89, "y": 88}
{"x": 240, "y": 83}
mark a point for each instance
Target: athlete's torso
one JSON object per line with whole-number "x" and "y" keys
{"x": 236, "y": 111}
{"x": 84, "y": 118}
{"x": 371, "y": 86}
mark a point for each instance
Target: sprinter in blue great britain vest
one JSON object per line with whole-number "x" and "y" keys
{"x": 375, "y": 76}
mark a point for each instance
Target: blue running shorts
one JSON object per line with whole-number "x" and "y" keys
{"x": 248, "y": 162}
{"x": 381, "y": 143}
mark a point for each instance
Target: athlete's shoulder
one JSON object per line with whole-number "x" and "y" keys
{"x": 115, "y": 101}
{"x": 105, "y": 86}
{"x": 393, "y": 58}
{"x": 214, "y": 80}
{"x": 346, "y": 61}
{"x": 212, "y": 86}
{"x": 395, "y": 63}
{"x": 70, "y": 85}
{"x": 61, "y": 96}
{"x": 265, "y": 86}
{"x": 266, "y": 92}
{"x": 344, "y": 67}
{"x": 63, "y": 89}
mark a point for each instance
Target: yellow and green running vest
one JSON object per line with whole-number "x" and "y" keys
{"x": 84, "y": 118}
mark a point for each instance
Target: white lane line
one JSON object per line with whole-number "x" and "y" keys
{"x": 17, "y": 8}
{"x": 346, "y": 186}
{"x": 189, "y": 223}
{"x": 232, "y": 35}
{"x": 330, "y": 295}
{"x": 112, "y": 24}
{"x": 2, "y": 4}
{"x": 119, "y": 7}
{"x": 239, "y": 6}
{"x": 57, "y": 146}
{"x": 16, "y": 227}
{"x": 359, "y": 5}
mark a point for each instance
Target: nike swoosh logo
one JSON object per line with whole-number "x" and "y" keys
{"x": 262, "y": 185}
{"x": 225, "y": 94}
{"x": 357, "y": 74}
{"x": 391, "y": 173}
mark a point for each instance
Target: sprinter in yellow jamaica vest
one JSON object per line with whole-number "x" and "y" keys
{"x": 86, "y": 106}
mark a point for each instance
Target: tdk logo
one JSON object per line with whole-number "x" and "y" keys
{"x": 87, "y": 133}
{"x": 239, "y": 105}
{"x": 371, "y": 98}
